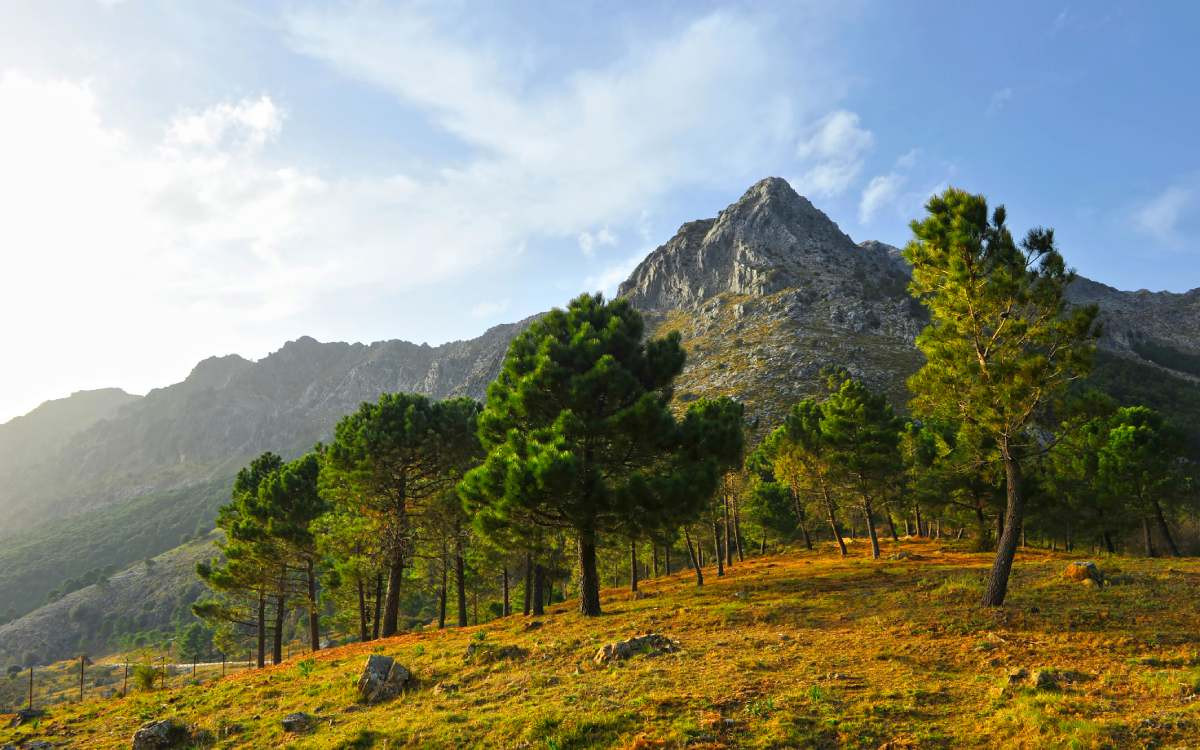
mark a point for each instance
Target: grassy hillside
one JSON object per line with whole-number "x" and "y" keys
{"x": 796, "y": 650}
{"x": 49, "y": 556}
{"x": 148, "y": 599}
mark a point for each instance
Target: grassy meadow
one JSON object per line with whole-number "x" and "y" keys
{"x": 801, "y": 649}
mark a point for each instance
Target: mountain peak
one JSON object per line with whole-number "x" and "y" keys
{"x": 755, "y": 246}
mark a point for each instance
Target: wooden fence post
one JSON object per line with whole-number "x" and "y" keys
{"x": 31, "y": 689}
{"x": 82, "y": 657}
{"x": 125, "y": 686}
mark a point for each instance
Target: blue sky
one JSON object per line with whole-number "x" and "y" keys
{"x": 193, "y": 178}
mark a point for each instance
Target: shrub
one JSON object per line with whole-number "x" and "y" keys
{"x": 146, "y": 676}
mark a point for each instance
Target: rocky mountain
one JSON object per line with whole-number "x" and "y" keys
{"x": 23, "y": 440}
{"x": 766, "y": 294}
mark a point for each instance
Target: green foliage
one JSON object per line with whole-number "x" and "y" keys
{"x": 145, "y": 677}
{"x": 579, "y": 435}
{"x": 1002, "y": 345}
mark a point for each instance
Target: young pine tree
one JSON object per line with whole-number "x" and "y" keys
{"x": 1002, "y": 343}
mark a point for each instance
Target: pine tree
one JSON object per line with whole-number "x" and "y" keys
{"x": 1001, "y": 344}
{"x": 579, "y": 435}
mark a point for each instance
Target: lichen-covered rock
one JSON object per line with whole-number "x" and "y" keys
{"x": 383, "y": 678}
{"x": 651, "y": 643}
{"x": 298, "y": 722}
{"x": 482, "y": 652}
{"x": 1083, "y": 570}
{"x": 162, "y": 734}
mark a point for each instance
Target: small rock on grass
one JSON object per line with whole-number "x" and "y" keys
{"x": 652, "y": 643}
{"x": 298, "y": 722}
{"x": 162, "y": 734}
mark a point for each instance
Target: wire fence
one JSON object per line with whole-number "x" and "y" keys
{"x": 37, "y": 688}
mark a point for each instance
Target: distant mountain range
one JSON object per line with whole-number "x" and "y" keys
{"x": 765, "y": 294}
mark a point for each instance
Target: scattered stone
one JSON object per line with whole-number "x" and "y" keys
{"x": 1045, "y": 679}
{"x": 482, "y": 652}
{"x": 26, "y": 715}
{"x": 906, "y": 555}
{"x": 1084, "y": 570}
{"x": 533, "y": 625}
{"x": 162, "y": 734}
{"x": 1018, "y": 676}
{"x": 298, "y": 722}
{"x": 445, "y": 688}
{"x": 383, "y": 678}
{"x": 652, "y": 643}
{"x": 39, "y": 745}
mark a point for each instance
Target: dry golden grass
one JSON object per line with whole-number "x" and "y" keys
{"x": 796, "y": 650}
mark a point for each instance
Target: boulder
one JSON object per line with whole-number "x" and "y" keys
{"x": 383, "y": 678}
{"x": 1045, "y": 679}
{"x": 906, "y": 555}
{"x": 26, "y": 715}
{"x": 161, "y": 735}
{"x": 298, "y": 722}
{"x": 1083, "y": 570}
{"x": 651, "y": 643}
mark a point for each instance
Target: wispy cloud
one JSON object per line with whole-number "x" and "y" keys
{"x": 589, "y": 241}
{"x": 880, "y": 191}
{"x": 834, "y": 147}
{"x": 1162, "y": 216}
{"x": 1000, "y": 99}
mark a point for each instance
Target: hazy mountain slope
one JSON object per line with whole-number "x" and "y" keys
{"x": 145, "y": 596}
{"x": 229, "y": 409}
{"x": 766, "y": 294}
{"x": 24, "y": 439}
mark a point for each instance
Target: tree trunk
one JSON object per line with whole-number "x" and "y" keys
{"x": 833, "y": 524}
{"x": 391, "y": 604}
{"x": 907, "y": 527}
{"x": 262, "y": 629}
{"x": 981, "y": 544}
{"x": 378, "y": 606}
{"x": 869, "y": 517}
{"x": 362, "y": 609}
{"x": 528, "y": 581}
{"x": 589, "y": 579}
{"x": 633, "y": 563}
{"x": 460, "y": 581}
{"x": 728, "y": 530}
{"x": 539, "y": 594}
{"x": 667, "y": 559}
{"x": 917, "y": 518}
{"x": 803, "y": 530}
{"x": 762, "y": 546}
{"x": 654, "y": 552}
{"x": 891, "y": 523}
{"x": 720, "y": 553}
{"x": 1006, "y": 548}
{"x": 277, "y": 644}
{"x": 694, "y": 558}
{"x": 314, "y": 612}
{"x": 443, "y": 589}
{"x": 507, "y": 606}
{"x": 1147, "y": 539}
{"x": 1108, "y": 543}
{"x": 1163, "y": 530}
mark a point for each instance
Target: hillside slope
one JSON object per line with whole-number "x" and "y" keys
{"x": 798, "y": 650}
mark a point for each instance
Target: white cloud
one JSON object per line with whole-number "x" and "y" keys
{"x": 834, "y": 147}
{"x": 1161, "y": 216}
{"x": 608, "y": 279}
{"x": 589, "y": 241}
{"x": 879, "y": 192}
{"x": 248, "y": 123}
{"x": 999, "y": 101}
{"x": 908, "y": 159}
{"x": 209, "y": 238}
